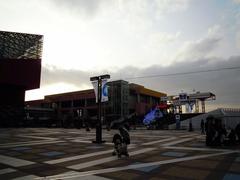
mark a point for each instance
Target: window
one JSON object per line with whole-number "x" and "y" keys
{"x": 66, "y": 104}
{"x": 91, "y": 102}
{"x": 79, "y": 103}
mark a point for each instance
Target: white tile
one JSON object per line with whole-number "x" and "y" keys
{"x": 7, "y": 170}
{"x": 74, "y": 175}
{"x": 15, "y": 162}
{"x": 108, "y": 159}
{"x": 159, "y": 141}
{"x": 177, "y": 142}
{"x": 142, "y": 165}
{"x": 61, "y": 160}
{"x": 28, "y": 177}
{"x": 29, "y": 143}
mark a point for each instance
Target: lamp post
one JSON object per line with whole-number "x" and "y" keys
{"x": 99, "y": 101}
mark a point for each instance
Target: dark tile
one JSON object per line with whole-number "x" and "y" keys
{"x": 231, "y": 177}
{"x": 52, "y": 153}
{"x": 145, "y": 169}
{"x": 13, "y": 153}
{"x": 174, "y": 154}
{"x": 21, "y": 148}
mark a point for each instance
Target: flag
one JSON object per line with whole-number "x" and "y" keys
{"x": 104, "y": 91}
{"x": 104, "y": 96}
{"x": 95, "y": 87}
{"x": 151, "y": 116}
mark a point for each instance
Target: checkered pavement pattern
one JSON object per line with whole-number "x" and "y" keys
{"x": 49, "y": 153}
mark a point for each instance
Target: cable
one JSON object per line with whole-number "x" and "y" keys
{"x": 184, "y": 73}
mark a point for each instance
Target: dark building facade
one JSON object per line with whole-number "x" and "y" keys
{"x": 124, "y": 98}
{"x": 20, "y": 70}
{"x": 20, "y": 66}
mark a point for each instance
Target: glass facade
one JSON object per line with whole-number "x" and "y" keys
{"x": 20, "y": 45}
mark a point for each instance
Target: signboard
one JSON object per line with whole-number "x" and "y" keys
{"x": 177, "y": 116}
{"x": 183, "y": 97}
{"x": 162, "y": 106}
{"x": 164, "y": 98}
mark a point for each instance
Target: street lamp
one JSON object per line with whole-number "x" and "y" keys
{"x": 99, "y": 99}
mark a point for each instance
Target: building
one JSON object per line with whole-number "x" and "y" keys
{"x": 20, "y": 70}
{"x": 124, "y": 98}
{"x": 191, "y": 101}
{"x": 20, "y": 66}
{"x": 230, "y": 117}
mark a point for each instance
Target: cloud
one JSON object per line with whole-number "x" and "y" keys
{"x": 238, "y": 40}
{"x": 53, "y": 75}
{"x": 163, "y": 37}
{"x": 225, "y": 84}
{"x": 169, "y": 6}
{"x": 201, "y": 48}
{"x": 236, "y": 1}
{"x": 83, "y": 7}
{"x": 194, "y": 50}
{"x": 215, "y": 31}
{"x": 124, "y": 7}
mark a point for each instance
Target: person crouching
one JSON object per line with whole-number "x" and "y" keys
{"x": 125, "y": 140}
{"x": 117, "y": 141}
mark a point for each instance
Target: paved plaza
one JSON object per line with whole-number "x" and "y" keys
{"x": 41, "y": 153}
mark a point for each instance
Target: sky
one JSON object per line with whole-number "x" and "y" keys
{"x": 134, "y": 38}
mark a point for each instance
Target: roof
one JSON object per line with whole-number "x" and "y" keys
{"x": 202, "y": 95}
{"x": 89, "y": 93}
{"x": 145, "y": 91}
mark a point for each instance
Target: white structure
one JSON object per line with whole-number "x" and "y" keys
{"x": 230, "y": 117}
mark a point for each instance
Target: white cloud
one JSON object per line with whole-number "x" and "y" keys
{"x": 92, "y": 7}
{"x": 236, "y": 1}
{"x": 84, "y": 8}
{"x": 50, "y": 89}
{"x": 169, "y": 6}
{"x": 238, "y": 40}
{"x": 201, "y": 48}
{"x": 215, "y": 31}
{"x": 164, "y": 37}
{"x": 194, "y": 50}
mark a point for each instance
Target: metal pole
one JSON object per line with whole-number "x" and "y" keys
{"x": 99, "y": 98}
{"x": 99, "y": 123}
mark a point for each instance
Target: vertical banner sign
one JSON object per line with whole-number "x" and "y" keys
{"x": 104, "y": 91}
{"x": 95, "y": 87}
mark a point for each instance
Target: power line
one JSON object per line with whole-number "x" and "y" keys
{"x": 184, "y": 73}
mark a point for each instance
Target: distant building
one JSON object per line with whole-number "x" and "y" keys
{"x": 229, "y": 117}
{"x": 124, "y": 99}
